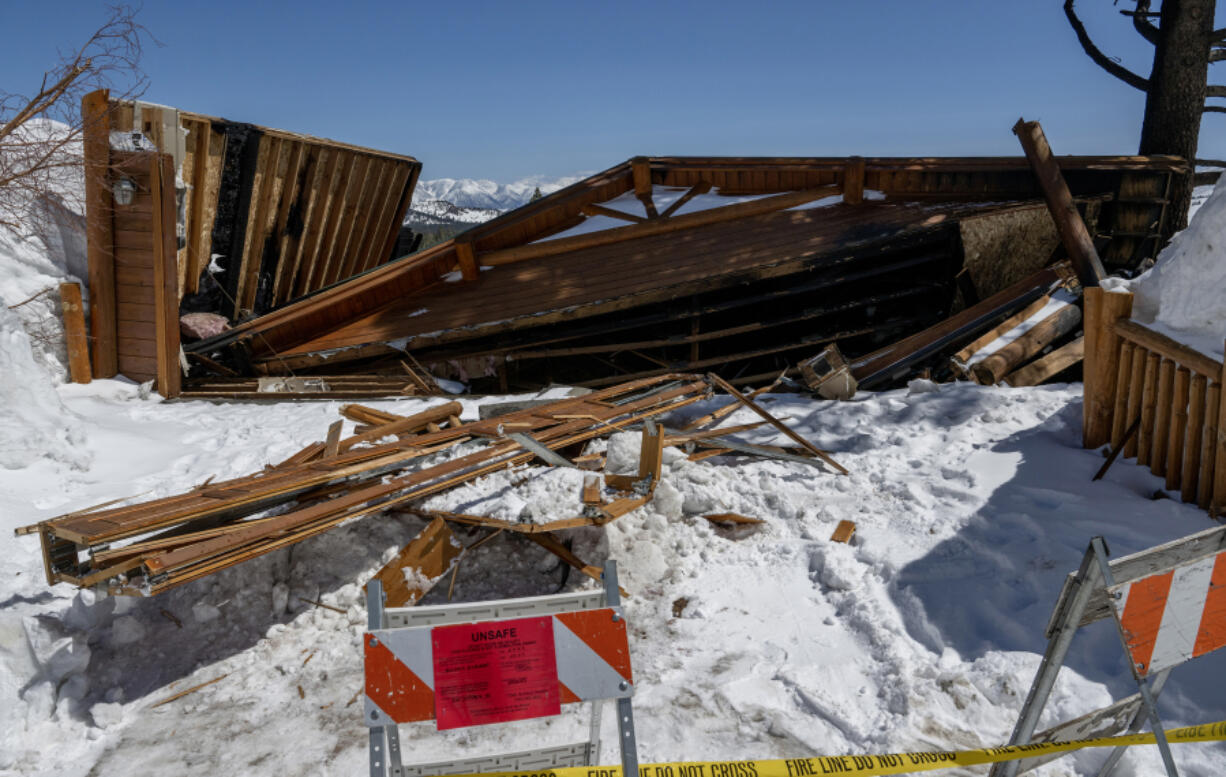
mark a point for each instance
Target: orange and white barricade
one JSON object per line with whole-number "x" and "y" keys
{"x": 492, "y": 662}
{"x": 1169, "y": 604}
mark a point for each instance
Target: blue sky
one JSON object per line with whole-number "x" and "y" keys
{"x": 507, "y": 89}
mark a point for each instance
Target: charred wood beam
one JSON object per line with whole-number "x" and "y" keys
{"x": 806, "y": 343}
{"x": 242, "y": 151}
{"x": 756, "y": 326}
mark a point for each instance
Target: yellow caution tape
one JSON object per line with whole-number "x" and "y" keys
{"x": 869, "y": 765}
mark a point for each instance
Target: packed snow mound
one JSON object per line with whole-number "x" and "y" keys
{"x": 1184, "y": 295}
{"x": 971, "y": 504}
{"x": 33, "y": 422}
{"x": 483, "y": 193}
{"x": 47, "y": 245}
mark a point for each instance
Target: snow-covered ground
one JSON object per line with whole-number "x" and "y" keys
{"x": 971, "y": 503}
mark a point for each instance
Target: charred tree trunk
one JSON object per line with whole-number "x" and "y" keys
{"x": 1177, "y": 89}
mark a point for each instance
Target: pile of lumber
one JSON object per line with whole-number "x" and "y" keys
{"x": 1023, "y": 335}
{"x": 387, "y": 462}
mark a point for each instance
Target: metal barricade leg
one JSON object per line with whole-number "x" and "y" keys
{"x": 393, "y": 751}
{"x": 625, "y": 708}
{"x": 1065, "y": 626}
{"x": 629, "y": 745}
{"x": 1147, "y": 698}
{"x": 593, "y": 744}
{"x": 1138, "y": 720}
{"x": 384, "y": 740}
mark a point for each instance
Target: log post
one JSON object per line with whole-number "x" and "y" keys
{"x": 1073, "y": 233}
{"x": 466, "y": 257}
{"x": 1197, "y": 391}
{"x": 853, "y": 180}
{"x": 1123, "y": 380}
{"x": 74, "y": 332}
{"x": 1162, "y": 418}
{"x": 994, "y": 368}
{"x": 1179, "y": 428}
{"x": 1218, "y": 503}
{"x": 1149, "y": 401}
{"x": 1208, "y": 448}
{"x": 99, "y": 231}
{"x": 1136, "y": 388}
{"x": 1102, "y": 350}
{"x": 640, "y": 171}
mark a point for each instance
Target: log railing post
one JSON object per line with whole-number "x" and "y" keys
{"x": 1101, "y": 368}
{"x": 466, "y": 257}
{"x": 853, "y": 180}
{"x": 1218, "y": 504}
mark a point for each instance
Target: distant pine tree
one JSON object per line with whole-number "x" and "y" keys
{"x": 536, "y": 195}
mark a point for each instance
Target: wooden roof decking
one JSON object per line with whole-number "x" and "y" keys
{"x": 611, "y": 277}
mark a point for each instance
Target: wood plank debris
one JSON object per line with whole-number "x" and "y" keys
{"x": 844, "y": 531}
{"x": 186, "y": 691}
{"x": 754, "y": 406}
{"x": 743, "y": 520}
{"x": 425, "y": 560}
{"x": 151, "y": 546}
{"x": 74, "y": 332}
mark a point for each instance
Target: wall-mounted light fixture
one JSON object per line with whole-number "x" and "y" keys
{"x": 123, "y": 189}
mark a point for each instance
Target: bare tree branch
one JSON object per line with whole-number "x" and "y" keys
{"x": 1140, "y": 20}
{"x": 1213, "y": 90}
{"x": 39, "y": 159}
{"x": 1214, "y": 109}
{"x": 1218, "y": 36}
{"x": 1217, "y": 54}
{"x": 1101, "y": 59}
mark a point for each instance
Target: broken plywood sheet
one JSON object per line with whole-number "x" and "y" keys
{"x": 419, "y": 565}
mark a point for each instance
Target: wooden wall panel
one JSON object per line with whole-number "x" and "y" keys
{"x": 136, "y": 338}
{"x": 291, "y": 224}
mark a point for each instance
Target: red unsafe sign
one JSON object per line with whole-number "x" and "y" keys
{"x": 494, "y": 672}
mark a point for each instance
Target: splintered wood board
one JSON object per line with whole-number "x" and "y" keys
{"x": 419, "y": 565}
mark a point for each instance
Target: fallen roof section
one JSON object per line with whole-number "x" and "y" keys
{"x": 679, "y": 264}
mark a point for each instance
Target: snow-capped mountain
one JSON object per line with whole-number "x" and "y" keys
{"x": 433, "y": 212}
{"x": 486, "y": 194}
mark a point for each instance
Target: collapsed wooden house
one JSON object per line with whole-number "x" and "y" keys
{"x": 613, "y": 279}
{"x": 742, "y": 266}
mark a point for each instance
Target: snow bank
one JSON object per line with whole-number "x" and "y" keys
{"x": 1184, "y": 295}
{"x": 34, "y": 424}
